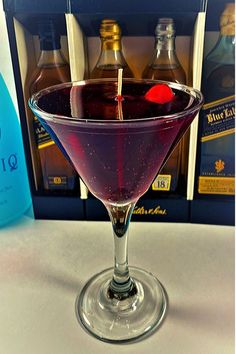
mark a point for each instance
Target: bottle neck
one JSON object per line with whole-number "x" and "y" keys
{"x": 165, "y": 53}
{"x": 111, "y": 53}
{"x": 51, "y": 57}
{"x": 226, "y": 42}
{"x": 223, "y": 51}
{"x": 107, "y": 44}
{"x": 165, "y": 43}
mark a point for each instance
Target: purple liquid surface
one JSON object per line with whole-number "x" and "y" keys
{"x": 117, "y": 160}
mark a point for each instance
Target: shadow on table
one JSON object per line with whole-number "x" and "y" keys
{"x": 210, "y": 318}
{"x": 57, "y": 278}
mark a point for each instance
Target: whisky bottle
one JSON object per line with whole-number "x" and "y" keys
{"x": 165, "y": 66}
{"x": 217, "y": 144}
{"x": 111, "y": 57}
{"x": 52, "y": 68}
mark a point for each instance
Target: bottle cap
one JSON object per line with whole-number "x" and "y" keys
{"x": 48, "y": 35}
{"x": 110, "y": 29}
{"x": 165, "y": 27}
{"x": 227, "y": 20}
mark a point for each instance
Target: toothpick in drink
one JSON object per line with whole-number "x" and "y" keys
{"x": 119, "y": 95}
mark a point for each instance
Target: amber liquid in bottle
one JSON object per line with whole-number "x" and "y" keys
{"x": 111, "y": 57}
{"x": 57, "y": 173}
{"x": 107, "y": 71}
{"x": 166, "y": 66}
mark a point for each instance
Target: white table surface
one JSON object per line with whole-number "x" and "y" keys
{"x": 44, "y": 264}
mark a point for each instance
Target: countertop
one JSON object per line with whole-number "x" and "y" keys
{"x": 44, "y": 264}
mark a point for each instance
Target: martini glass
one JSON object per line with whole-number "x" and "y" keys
{"x": 118, "y": 148}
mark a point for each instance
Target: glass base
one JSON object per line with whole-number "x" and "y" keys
{"x": 122, "y": 320}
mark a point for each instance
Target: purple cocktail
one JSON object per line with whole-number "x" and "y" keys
{"x": 117, "y": 160}
{"x": 117, "y": 147}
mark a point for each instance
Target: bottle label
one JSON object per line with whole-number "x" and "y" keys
{"x": 221, "y": 185}
{"x": 162, "y": 183}
{"x": 42, "y": 137}
{"x": 217, "y": 147}
{"x": 8, "y": 166}
{"x": 57, "y": 182}
{"x": 8, "y": 163}
{"x": 52, "y": 182}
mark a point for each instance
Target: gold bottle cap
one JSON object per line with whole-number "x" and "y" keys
{"x": 110, "y": 29}
{"x": 227, "y": 20}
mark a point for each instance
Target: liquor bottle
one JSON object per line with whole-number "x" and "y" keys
{"x": 111, "y": 57}
{"x": 217, "y": 144}
{"x": 15, "y": 196}
{"x": 52, "y": 68}
{"x": 165, "y": 66}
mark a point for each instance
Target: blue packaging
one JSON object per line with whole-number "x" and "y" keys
{"x": 15, "y": 196}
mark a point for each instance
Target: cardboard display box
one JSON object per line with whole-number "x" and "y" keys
{"x": 78, "y": 22}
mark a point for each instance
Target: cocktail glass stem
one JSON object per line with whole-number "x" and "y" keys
{"x": 121, "y": 285}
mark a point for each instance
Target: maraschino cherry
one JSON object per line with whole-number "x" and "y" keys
{"x": 160, "y": 93}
